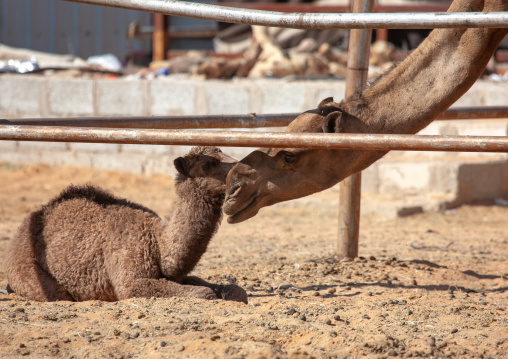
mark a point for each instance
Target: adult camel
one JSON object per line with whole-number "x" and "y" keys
{"x": 403, "y": 101}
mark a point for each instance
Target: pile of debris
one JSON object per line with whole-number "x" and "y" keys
{"x": 264, "y": 58}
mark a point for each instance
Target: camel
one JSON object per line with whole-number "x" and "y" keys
{"x": 87, "y": 244}
{"x": 403, "y": 101}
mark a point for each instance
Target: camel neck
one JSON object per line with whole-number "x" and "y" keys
{"x": 185, "y": 235}
{"x": 431, "y": 78}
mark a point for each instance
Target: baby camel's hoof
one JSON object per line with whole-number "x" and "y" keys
{"x": 202, "y": 293}
{"x": 234, "y": 293}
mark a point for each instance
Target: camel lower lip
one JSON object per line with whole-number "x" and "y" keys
{"x": 240, "y": 214}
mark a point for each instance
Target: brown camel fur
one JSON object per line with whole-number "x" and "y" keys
{"x": 86, "y": 244}
{"x": 403, "y": 101}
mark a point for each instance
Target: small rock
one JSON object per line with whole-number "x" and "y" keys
{"x": 392, "y": 353}
{"x": 433, "y": 315}
{"x": 454, "y": 330}
{"x": 336, "y": 317}
{"x": 316, "y": 294}
{"x": 372, "y": 258}
{"x": 303, "y": 317}
{"x": 333, "y": 333}
{"x": 369, "y": 294}
{"x": 365, "y": 316}
{"x": 328, "y": 321}
{"x": 214, "y": 337}
{"x": 483, "y": 302}
{"x": 163, "y": 344}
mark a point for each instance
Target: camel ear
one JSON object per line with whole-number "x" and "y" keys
{"x": 181, "y": 166}
{"x": 325, "y": 101}
{"x": 334, "y": 123}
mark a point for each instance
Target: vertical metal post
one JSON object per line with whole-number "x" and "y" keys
{"x": 160, "y": 41}
{"x": 350, "y": 188}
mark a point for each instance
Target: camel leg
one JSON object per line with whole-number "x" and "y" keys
{"x": 24, "y": 273}
{"x": 29, "y": 280}
{"x": 226, "y": 292}
{"x": 162, "y": 288}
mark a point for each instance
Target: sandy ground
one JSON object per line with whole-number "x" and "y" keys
{"x": 429, "y": 285}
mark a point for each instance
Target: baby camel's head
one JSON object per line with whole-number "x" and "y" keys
{"x": 208, "y": 163}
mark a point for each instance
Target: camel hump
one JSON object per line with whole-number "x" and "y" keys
{"x": 94, "y": 194}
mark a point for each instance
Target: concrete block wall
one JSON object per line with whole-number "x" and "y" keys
{"x": 457, "y": 177}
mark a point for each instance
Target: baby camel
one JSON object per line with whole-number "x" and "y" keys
{"x": 86, "y": 244}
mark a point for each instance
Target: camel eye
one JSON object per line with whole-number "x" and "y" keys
{"x": 206, "y": 167}
{"x": 290, "y": 158}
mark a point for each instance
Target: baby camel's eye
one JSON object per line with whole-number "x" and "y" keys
{"x": 206, "y": 167}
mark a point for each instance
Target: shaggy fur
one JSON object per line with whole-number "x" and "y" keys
{"x": 87, "y": 244}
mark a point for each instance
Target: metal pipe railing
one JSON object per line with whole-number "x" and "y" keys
{"x": 371, "y": 142}
{"x": 311, "y": 20}
{"x": 350, "y": 188}
{"x": 225, "y": 121}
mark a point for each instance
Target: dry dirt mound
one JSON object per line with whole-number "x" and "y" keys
{"x": 430, "y": 285}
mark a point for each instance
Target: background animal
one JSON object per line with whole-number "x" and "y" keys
{"x": 87, "y": 244}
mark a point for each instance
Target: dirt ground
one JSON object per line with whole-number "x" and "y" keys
{"x": 429, "y": 285}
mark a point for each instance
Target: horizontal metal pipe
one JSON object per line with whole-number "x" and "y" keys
{"x": 163, "y": 122}
{"x": 224, "y": 121}
{"x": 374, "y": 142}
{"x": 300, "y": 20}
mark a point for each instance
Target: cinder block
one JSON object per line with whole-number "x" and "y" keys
{"x": 8, "y": 146}
{"x": 404, "y": 178}
{"x": 119, "y": 162}
{"x": 493, "y": 93}
{"x": 42, "y": 146}
{"x": 121, "y": 97}
{"x": 284, "y": 97}
{"x": 145, "y": 149}
{"x": 95, "y": 147}
{"x": 160, "y": 165}
{"x": 20, "y": 157}
{"x": 172, "y": 97}
{"x": 60, "y": 158}
{"x": 481, "y": 181}
{"x": 70, "y": 97}
{"x": 20, "y": 95}
{"x": 224, "y": 98}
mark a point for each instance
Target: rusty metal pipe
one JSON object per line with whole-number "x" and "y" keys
{"x": 163, "y": 122}
{"x": 350, "y": 188}
{"x": 301, "y": 20}
{"x": 371, "y": 142}
{"x": 224, "y": 121}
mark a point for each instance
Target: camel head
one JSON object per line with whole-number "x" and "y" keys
{"x": 209, "y": 164}
{"x": 271, "y": 175}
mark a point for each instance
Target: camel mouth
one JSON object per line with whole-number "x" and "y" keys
{"x": 243, "y": 212}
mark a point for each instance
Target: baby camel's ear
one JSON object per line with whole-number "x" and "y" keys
{"x": 334, "y": 123}
{"x": 181, "y": 166}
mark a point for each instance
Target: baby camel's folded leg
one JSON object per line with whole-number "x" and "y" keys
{"x": 162, "y": 288}
{"x": 226, "y": 292}
{"x": 29, "y": 280}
